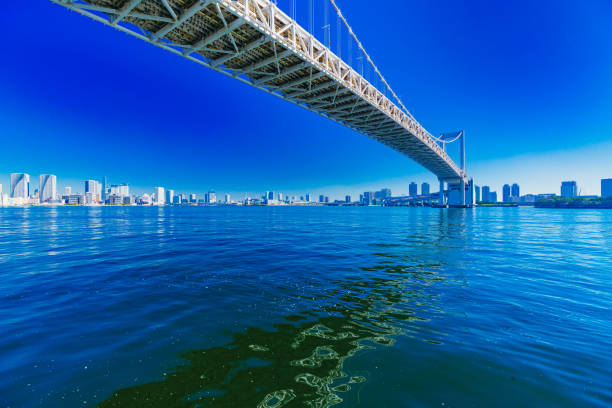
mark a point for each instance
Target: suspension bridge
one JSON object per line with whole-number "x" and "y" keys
{"x": 255, "y": 42}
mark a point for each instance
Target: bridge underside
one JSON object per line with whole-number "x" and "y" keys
{"x": 255, "y": 42}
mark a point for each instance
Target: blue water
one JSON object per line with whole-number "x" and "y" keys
{"x": 256, "y": 306}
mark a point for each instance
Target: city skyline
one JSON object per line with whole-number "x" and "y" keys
{"x": 21, "y": 186}
{"x": 318, "y": 156}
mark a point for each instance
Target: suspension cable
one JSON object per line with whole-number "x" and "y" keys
{"x": 350, "y": 30}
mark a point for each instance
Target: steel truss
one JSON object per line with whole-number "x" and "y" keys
{"x": 255, "y": 42}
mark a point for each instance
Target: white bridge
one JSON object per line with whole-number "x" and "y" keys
{"x": 255, "y": 42}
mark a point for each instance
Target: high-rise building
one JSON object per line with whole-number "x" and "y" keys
{"x": 413, "y": 189}
{"x": 212, "y": 196}
{"x": 120, "y": 190}
{"x": 347, "y": 199}
{"x": 67, "y": 190}
{"x": 493, "y": 197}
{"x": 424, "y": 188}
{"x": 486, "y": 192}
{"x": 48, "y": 188}
{"x": 368, "y": 198}
{"x": 321, "y": 198}
{"x": 477, "y": 191}
{"x": 160, "y": 196}
{"x": 569, "y": 189}
{"x": 93, "y": 191}
{"x": 506, "y": 193}
{"x": 20, "y": 185}
{"x": 169, "y": 196}
{"x": 516, "y": 190}
{"x": 385, "y": 193}
{"x": 606, "y": 187}
{"x": 227, "y": 199}
{"x": 103, "y": 192}
{"x": 308, "y": 198}
{"x": 326, "y": 199}
{"x": 193, "y": 198}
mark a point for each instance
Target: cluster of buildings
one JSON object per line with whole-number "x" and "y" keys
{"x": 511, "y": 193}
{"x": 101, "y": 193}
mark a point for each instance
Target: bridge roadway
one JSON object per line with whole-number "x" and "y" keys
{"x": 255, "y": 42}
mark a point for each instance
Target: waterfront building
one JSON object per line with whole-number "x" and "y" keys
{"x": 424, "y": 188}
{"x": 413, "y": 189}
{"x": 103, "y": 192}
{"x": 321, "y": 198}
{"x": 20, "y": 185}
{"x": 227, "y": 199}
{"x": 368, "y": 198}
{"x": 385, "y": 193}
{"x": 67, "y": 191}
{"x": 326, "y": 199}
{"x": 493, "y": 196}
{"x": 160, "y": 196}
{"x": 486, "y": 191}
{"x": 516, "y": 191}
{"x": 48, "y": 188}
{"x": 94, "y": 189}
{"x": 121, "y": 190}
{"x": 606, "y": 187}
{"x": 308, "y": 198}
{"x": 76, "y": 199}
{"x": 569, "y": 189}
{"x": 193, "y": 199}
{"x": 477, "y": 190}
{"x": 211, "y": 197}
{"x": 347, "y": 199}
{"x": 506, "y": 193}
{"x": 280, "y": 197}
{"x": 169, "y": 196}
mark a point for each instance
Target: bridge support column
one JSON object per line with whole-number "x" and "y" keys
{"x": 441, "y": 192}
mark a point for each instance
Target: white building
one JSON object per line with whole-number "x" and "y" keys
{"x": 48, "y": 188}
{"x": 227, "y": 199}
{"x": 67, "y": 191}
{"x": 160, "y": 196}
{"x": 20, "y": 185}
{"x": 94, "y": 189}
{"x": 121, "y": 190}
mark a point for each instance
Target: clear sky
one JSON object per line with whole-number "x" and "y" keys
{"x": 529, "y": 81}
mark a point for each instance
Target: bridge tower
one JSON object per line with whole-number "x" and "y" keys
{"x": 460, "y": 192}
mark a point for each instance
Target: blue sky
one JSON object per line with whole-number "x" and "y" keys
{"x": 530, "y": 82}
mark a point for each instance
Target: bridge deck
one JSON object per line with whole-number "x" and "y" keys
{"x": 255, "y": 42}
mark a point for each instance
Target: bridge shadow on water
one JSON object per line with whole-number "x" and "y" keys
{"x": 300, "y": 362}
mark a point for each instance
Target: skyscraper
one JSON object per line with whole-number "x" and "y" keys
{"x": 486, "y": 191}
{"x": 103, "y": 192}
{"x": 169, "y": 196}
{"x": 227, "y": 199}
{"x": 93, "y": 190}
{"x": 160, "y": 196}
{"x": 67, "y": 190}
{"x": 606, "y": 187}
{"x": 321, "y": 198}
{"x": 516, "y": 190}
{"x": 308, "y": 198}
{"x": 347, "y": 199}
{"x": 493, "y": 197}
{"x": 412, "y": 189}
{"x": 424, "y": 188}
{"x": 48, "y": 188}
{"x": 20, "y": 185}
{"x": 477, "y": 190}
{"x": 506, "y": 193}
{"x": 569, "y": 189}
